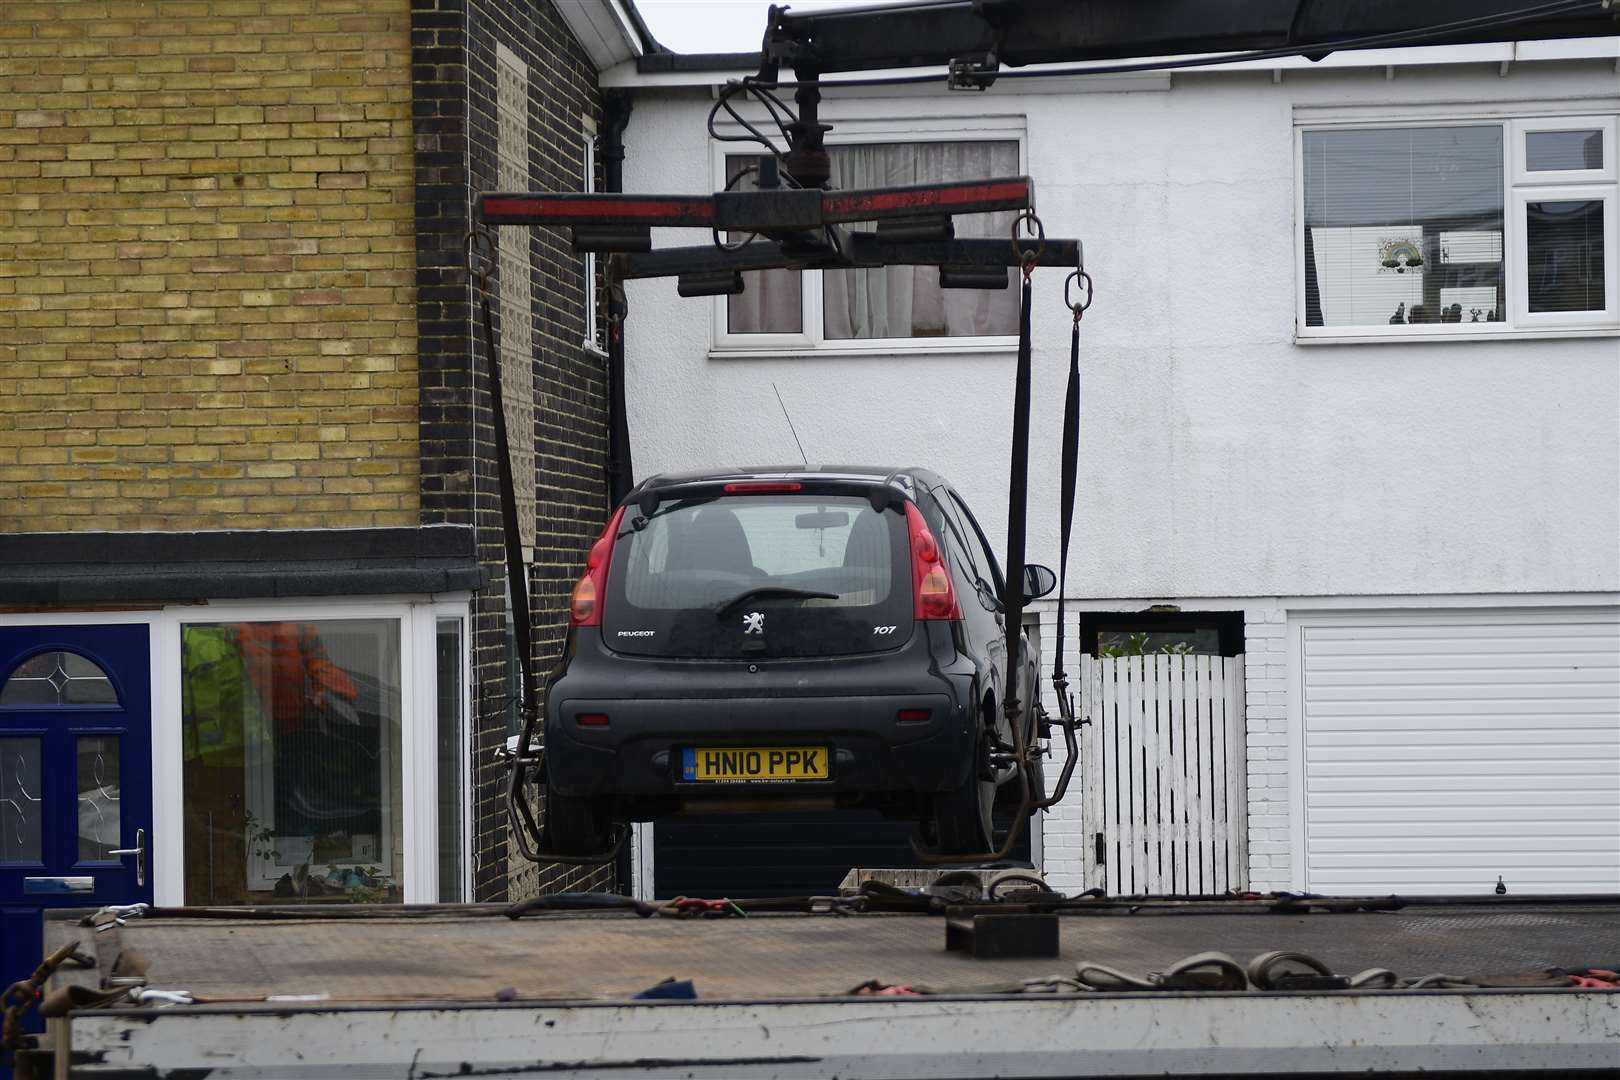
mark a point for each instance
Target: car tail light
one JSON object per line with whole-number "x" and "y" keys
{"x": 763, "y": 487}
{"x": 933, "y": 596}
{"x": 591, "y": 719}
{"x": 585, "y": 607}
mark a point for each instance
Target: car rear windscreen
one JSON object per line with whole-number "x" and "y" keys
{"x": 759, "y": 575}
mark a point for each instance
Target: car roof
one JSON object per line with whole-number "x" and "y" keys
{"x": 906, "y": 476}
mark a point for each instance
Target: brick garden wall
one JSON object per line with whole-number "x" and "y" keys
{"x": 454, "y": 57}
{"x": 207, "y": 271}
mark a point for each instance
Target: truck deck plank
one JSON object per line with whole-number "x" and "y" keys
{"x": 461, "y": 956}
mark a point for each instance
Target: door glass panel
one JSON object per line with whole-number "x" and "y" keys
{"x": 20, "y": 806}
{"x": 1564, "y": 250}
{"x": 1561, "y": 151}
{"x": 292, "y": 761}
{"x": 450, "y": 740}
{"x": 99, "y": 818}
{"x": 58, "y": 678}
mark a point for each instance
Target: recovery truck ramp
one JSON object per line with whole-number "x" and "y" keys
{"x": 829, "y": 990}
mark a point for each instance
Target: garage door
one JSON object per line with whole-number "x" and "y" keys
{"x": 1442, "y": 750}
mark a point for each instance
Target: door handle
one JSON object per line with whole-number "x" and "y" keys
{"x": 139, "y": 851}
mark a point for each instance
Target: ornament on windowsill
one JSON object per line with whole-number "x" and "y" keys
{"x": 1399, "y": 254}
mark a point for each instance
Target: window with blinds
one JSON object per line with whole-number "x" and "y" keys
{"x": 1403, "y": 226}
{"x": 1446, "y": 229}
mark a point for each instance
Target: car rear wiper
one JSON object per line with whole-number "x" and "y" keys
{"x": 770, "y": 592}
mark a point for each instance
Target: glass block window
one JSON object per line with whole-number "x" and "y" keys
{"x": 516, "y": 286}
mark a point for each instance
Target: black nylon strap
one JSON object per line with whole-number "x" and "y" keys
{"x": 1017, "y": 505}
{"x": 517, "y": 580}
{"x": 1071, "y": 469}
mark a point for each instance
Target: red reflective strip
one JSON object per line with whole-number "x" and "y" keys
{"x": 618, "y": 209}
{"x": 906, "y": 200}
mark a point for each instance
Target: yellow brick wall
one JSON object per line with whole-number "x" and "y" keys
{"x": 207, "y": 265}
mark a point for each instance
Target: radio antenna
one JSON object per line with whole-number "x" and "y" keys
{"x": 789, "y": 420}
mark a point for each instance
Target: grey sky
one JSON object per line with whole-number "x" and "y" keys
{"x": 691, "y": 26}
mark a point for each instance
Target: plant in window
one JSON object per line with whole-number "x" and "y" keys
{"x": 1140, "y": 643}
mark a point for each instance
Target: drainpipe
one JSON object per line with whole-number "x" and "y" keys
{"x": 616, "y": 105}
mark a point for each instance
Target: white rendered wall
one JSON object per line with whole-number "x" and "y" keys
{"x": 1219, "y": 458}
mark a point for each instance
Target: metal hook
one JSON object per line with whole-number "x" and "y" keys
{"x": 480, "y": 245}
{"x": 1082, "y": 279}
{"x": 1026, "y": 257}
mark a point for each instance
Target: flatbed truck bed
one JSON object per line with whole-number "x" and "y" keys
{"x": 463, "y": 991}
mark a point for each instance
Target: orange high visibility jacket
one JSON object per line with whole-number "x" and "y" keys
{"x": 291, "y": 670}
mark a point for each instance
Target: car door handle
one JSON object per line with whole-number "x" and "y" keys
{"x": 139, "y": 851}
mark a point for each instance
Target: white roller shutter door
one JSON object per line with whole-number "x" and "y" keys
{"x": 1442, "y": 749}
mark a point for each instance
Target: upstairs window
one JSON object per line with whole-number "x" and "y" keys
{"x": 595, "y": 324}
{"x": 1458, "y": 229}
{"x": 896, "y": 306}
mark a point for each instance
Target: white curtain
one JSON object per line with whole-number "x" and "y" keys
{"x": 906, "y": 301}
{"x": 771, "y": 301}
{"x": 895, "y": 301}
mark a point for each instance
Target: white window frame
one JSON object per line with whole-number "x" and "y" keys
{"x": 1518, "y": 323}
{"x": 1519, "y": 284}
{"x": 812, "y": 339}
{"x": 593, "y": 329}
{"x": 419, "y": 720}
{"x": 1522, "y": 173}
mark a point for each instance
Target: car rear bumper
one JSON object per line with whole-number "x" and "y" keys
{"x": 869, "y": 749}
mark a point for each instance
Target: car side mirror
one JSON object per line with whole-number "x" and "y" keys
{"x": 1038, "y": 581}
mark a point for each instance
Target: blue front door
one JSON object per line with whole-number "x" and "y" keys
{"x": 75, "y": 777}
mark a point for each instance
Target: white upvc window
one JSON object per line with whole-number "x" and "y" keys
{"x": 1456, "y": 228}
{"x": 595, "y": 328}
{"x": 881, "y": 310}
{"x": 323, "y": 752}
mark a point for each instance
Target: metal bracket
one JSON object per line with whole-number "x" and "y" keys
{"x": 973, "y": 72}
{"x": 999, "y": 935}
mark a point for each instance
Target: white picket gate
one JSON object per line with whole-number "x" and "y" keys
{"x": 1162, "y": 774}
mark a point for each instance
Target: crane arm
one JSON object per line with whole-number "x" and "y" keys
{"x": 1013, "y": 33}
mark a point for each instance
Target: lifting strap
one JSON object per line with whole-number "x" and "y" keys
{"x": 517, "y": 580}
{"x": 1071, "y": 465}
{"x": 1017, "y": 506}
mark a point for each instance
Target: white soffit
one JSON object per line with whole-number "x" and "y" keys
{"x": 604, "y": 30}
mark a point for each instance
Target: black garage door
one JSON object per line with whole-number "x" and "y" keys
{"x": 745, "y": 855}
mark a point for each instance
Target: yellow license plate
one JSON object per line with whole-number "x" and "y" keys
{"x": 746, "y": 764}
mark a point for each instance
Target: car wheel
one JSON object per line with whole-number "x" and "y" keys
{"x": 962, "y": 822}
{"x": 576, "y": 826}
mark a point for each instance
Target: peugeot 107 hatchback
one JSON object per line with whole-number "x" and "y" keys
{"x": 782, "y": 638}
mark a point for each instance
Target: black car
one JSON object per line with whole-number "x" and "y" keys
{"x": 787, "y": 637}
